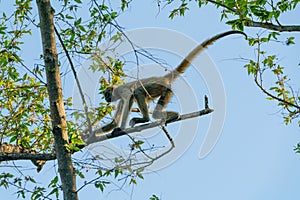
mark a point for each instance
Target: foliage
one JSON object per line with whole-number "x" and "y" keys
{"x": 241, "y": 13}
{"x": 24, "y": 111}
{"x": 281, "y": 90}
{"x": 25, "y": 116}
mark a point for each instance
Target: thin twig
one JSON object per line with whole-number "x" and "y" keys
{"x": 77, "y": 81}
{"x": 259, "y": 83}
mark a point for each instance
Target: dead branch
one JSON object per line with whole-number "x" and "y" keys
{"x": 117, "y": 133}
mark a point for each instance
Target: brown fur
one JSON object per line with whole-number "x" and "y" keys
{"x": 148, "y": 89}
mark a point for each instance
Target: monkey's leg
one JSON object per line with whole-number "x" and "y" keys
{"x": 126, "y": 109}
{"x": 140, "y": 97}
{"x": 163, "y": 101}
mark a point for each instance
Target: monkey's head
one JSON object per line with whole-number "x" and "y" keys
{"x": 108, "y": 94}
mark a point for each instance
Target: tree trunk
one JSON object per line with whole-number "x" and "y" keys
{"x": 58, "y": 116}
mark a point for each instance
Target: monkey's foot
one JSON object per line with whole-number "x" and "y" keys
{"x": 117, "y": 131}
{"x": 172, "y": 118}
{"x": 137, "y": 120}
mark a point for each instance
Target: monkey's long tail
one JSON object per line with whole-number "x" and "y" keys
{"x": 185, "y": 63}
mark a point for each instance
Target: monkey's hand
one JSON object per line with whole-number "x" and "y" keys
{"x": 117, "y": 132}
{"x": 137, "y": 120}
{"x": 132, "y": 123}
{"x": 171, "y": 116}
{"x": 109, "y": 126}
{"x": 166, "y": 116}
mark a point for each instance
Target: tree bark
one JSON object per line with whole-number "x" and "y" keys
{"x": 58, "y": 116}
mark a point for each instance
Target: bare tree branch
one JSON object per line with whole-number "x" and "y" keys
{"x": 94, "y": 139}
{"x": 27, "y": 156}
{"x": 9, "y": 152}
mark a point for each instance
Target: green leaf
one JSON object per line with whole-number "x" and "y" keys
{"x": 32, "y": 180}
{"x": 124, "y": 4}
{"x": 264, "y": 39}
{"x": 101, "y": 184}
{"x": 99, "y": 172}
{"x": 274, "y": 35}
{"x": 140, "y": 175}
{"x": 53, "y": 182}
{"x": 2, "y": 29}
{"x": 54, "y": 191}
{"x": 81, "y": 28}
{"x": 117, "y": 171}
{"x": 132, "y": 181}
{"x": 69, "y": 17}
{"x": 154, "y": 197}
{"x": 77, "y": 22}
{"x": 13, "y": 138}
{"x": 290, "y": 40}
{"x": 80, "y": 174}
{"x": 297, "y": 148}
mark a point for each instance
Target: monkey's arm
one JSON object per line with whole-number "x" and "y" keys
{"x": 126, "y": 109}
{"x": 140, "y": 97}
{"x": 116, "y": 119}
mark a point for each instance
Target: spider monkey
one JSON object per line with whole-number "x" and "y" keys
{"x": 145, "y": 90}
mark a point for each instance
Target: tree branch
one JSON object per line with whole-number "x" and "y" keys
{"x": 102, "y": 137}
{"x": 270, "y": 26}
{"x": 261, "y": 87}
{"x": 27, "y": 156}
{"x": 9, "y": 152}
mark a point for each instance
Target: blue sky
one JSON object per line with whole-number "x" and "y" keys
{"x": 253, "y": 158}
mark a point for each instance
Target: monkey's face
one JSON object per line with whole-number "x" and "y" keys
{"x": 108, "y": 93}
